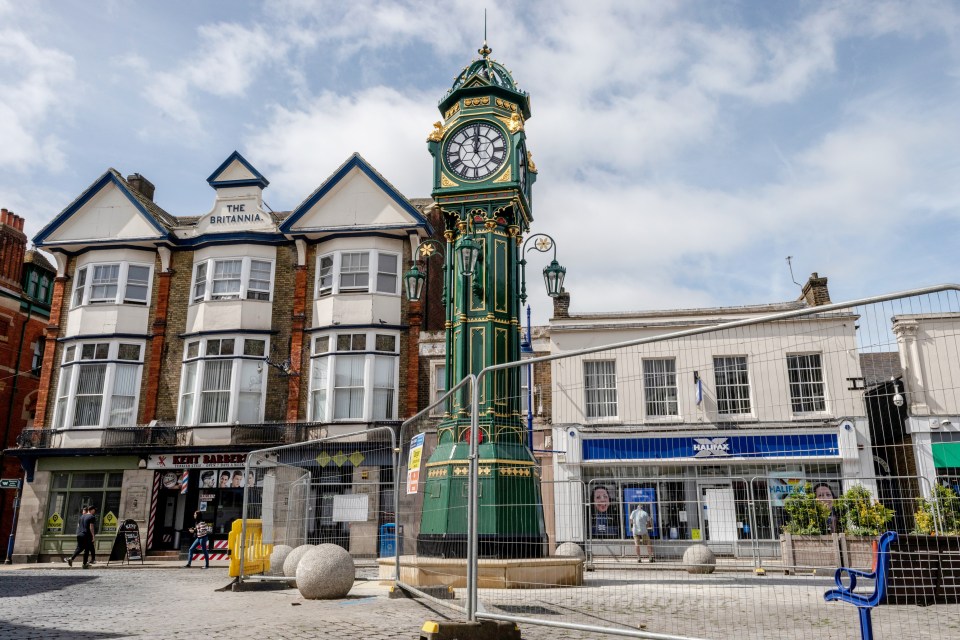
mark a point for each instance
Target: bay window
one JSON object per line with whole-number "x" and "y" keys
{"x": 241, "y": 278}
{"x": 353, "y": 376}
{"x": 358, "y": 272}
{"x": 112, "y": 283}
{"x": 223, "y": 380}
{"x": 99, "y": 384}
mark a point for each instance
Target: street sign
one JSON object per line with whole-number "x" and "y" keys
{"x": 10, "y": 483}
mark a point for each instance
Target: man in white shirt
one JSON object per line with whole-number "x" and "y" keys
{"x": 641, "y": 523}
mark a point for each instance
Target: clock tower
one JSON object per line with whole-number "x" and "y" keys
{"x": 483, "y": 175}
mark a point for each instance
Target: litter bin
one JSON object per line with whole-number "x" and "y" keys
{"x": 388, "y": 540}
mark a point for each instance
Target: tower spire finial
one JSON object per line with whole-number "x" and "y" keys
{"x": 484, "y": 50}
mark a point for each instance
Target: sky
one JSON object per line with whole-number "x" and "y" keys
{"x": 684, "y": 149}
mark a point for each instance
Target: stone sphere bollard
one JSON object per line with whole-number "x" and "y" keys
{"x": 293, "y": 559}
{"x": 570, "y": 550}
{"x": 699, "y": 559}
{"x": 277, "y": 556}
{"x": 325, "y": 573}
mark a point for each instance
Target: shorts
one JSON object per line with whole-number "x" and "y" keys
{"x": 642, "y": 537}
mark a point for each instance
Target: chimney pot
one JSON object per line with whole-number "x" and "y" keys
{"x": 561, "y": 305}
{"x": 815, "y": 291}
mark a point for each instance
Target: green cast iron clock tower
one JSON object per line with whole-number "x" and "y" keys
{"x": 483, "y": 175}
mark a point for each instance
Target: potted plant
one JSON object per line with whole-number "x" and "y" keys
{"x": 806, "y": 541}
{"x": 940, "y": 514}
{"x": 862, "y": 519}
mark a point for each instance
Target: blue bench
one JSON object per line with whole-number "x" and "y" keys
{"x": 865, "y": 602}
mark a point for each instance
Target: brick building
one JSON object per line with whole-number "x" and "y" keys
{"x": 177, "y": 344}
{"x": 26, "y": 285}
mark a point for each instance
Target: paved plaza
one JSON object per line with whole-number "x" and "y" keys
{"x": 53, "y": 602}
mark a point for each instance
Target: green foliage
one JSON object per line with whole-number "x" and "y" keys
{"x": 806, "y": 516}
{"x": 942, "y": 508}
{"x": 861, "y": 515}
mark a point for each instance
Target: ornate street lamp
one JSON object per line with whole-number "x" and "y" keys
{"x": 553, "y": 273}
{"x": 413, "y": 283}
{"x": 414, "y": 280}
{"x": 468, "y": 252}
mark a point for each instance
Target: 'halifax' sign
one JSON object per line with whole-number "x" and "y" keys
{"x": 713, "y": 448}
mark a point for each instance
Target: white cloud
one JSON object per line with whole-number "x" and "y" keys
{"x": 228, "y": 60}
{"x": 33, "y": 81}
{"x": 299, "y": 148}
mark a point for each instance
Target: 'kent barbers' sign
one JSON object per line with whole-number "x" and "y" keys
{"x": 196, "y": 460}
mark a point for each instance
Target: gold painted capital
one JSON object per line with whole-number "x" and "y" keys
{"x": 530, "y": 165}
{"x": 506, "y": 176}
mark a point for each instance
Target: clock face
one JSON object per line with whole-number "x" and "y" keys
{"x": 476, "y": 151}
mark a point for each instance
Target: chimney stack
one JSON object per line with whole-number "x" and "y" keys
{"x": 141, "y": 185}
{"x": 13, "y": 247}
{"x": 815, "y": 291}
{"x": 561, "y": 305}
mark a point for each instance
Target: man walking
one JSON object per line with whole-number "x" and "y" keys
{"x": 642, "y": 524}
{"x": 86, "y": 530}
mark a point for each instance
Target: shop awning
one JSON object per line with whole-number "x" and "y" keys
{"x": 946, "y": 454}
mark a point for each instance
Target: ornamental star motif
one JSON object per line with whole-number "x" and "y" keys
{"x": 543, "y": 244}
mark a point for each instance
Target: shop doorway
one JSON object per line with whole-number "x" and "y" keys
{"x": 719, "y": 512}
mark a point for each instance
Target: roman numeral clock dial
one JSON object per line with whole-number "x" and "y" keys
{"x": 476, "y": 151}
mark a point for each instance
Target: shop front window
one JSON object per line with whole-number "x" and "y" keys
{"x": 73, "y": 491}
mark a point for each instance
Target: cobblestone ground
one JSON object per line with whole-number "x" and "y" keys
{"x": 159, "y": 603}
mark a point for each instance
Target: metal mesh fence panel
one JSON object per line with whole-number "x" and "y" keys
{"x": 432, "y": 496}
{"x": 715, "y": 468}
{"x": 335, "y": 490}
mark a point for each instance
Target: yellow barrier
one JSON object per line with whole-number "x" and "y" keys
{"x": 256, "y": 557}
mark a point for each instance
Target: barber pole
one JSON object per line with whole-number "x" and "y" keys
{"x": 183, "y": 482}
{"x": 153, "y": 508}
{"x": 219, "y": 551}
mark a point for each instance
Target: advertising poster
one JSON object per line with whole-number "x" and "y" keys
{"x": 413, "y": 464}
{"x": 782, "y": 483}
{"x": 646, "y": 497}
{"x": 226, "y": 479}
{"x": 604, "y": 512}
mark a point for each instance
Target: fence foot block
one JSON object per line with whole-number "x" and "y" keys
{"x": 480, "y": 630}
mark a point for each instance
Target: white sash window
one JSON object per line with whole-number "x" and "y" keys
{"x": 112, "y": 283}
{"x": 233, "y": 279}
{"x": 99, "y": 385}
{"x": 223, "y": 380}
{"x": 353, "y": 376}
{"x": 358, "y": 272}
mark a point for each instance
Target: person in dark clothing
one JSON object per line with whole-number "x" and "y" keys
{"x": 86, "y": 530}
{"x": 202, "y": 532}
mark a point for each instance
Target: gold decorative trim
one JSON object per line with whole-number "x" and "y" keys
{"x": 530, "y": 164}
{"x": 514, "y": 123}
{"x": 476, "y": 102}
{"x": 503, "y": 104}
{"x": 437, "y": 134}
{"x": 492, "y": 461}
{"x": 447, "y": 182}
{"x": 506, "y": 176}
{"x": 452, "y": 110}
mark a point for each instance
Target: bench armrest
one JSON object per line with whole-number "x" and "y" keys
{"x": 853, "y": 574}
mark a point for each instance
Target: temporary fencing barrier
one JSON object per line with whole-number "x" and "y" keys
{"x": 337, "y": 489}
{"x": 769, "y": 445}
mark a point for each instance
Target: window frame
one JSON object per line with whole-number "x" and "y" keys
{"x": 199, "y": 359}
{"x": 81, "y": 295}
{"x": 736, "y": 385}
{"x": 438, "y": 386}
{"x": 331, "y": 353}
{"x": 72, "y": 367}
{"x": 334, "y": 274}
{"x": 600, "y": 417}
{"x": 649, "y": 401}
{"x": 244, "y": 293}
{"x": 791, "y": 385}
